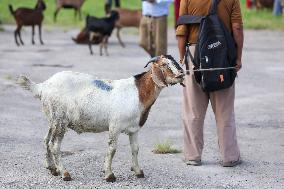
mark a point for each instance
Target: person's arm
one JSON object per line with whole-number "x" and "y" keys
{"x": 237, "y": 29}
{"x": 182, "y": 30}
{"x": 181, "y": 46}
{"x": 238, "y": 35}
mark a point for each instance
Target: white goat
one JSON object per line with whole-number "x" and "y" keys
{"x": 85, "y": 104}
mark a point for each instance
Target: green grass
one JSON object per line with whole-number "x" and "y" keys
{"x": 165, "y": 147}
{"x": 65, "y": 16}
{"x": 252, "y": 19}
{"x": 263, "y": 19}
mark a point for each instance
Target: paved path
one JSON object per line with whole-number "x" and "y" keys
{"x": 259, "y": 115}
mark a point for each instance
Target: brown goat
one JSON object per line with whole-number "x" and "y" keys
{"x": 127, "y": 18}
{"x": 260, "y": 4}
{"x": 83, "y": 38}
{"x": 74, "y": 4}
{"x": 28, "y": 17}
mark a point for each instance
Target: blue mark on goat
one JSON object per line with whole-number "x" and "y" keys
{"x": 102, "y": 85}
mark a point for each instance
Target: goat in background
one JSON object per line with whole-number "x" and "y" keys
{"x": 127, "y": 18}
{"x": 71, "y": 4}
{"x": 101, "y": 27}
{"x": 28, "y": 17}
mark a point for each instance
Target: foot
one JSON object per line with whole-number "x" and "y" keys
{"x": 231, "y": 163}
{"x": 54, "y": 171}
{"x": 66, "y": 176}
{"x": 140, "y": 175}
{"x": 110, "y": 178}
{"x": 193, "y": 162}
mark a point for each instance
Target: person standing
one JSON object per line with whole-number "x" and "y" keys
{"x": 195, "y": 101}
{"x": 153, "y": 26}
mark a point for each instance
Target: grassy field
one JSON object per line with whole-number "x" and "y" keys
{"x": 252, "y": 19}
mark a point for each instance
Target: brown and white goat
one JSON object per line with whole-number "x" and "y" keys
{"x": 83, "y": 103}
{"x": 28, "y": 17}
{"x": 74, "y": 4}
{"x": 127, "y": 18}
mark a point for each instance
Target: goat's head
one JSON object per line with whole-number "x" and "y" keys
{"x": 114, "y": 15}
{"x": 40, "y": 5}
{"x": 166, "y": 71}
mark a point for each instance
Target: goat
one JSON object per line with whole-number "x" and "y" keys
{"x": 28, "y": 17}
{"x": 127, "y": 18}
{"x": 83, "y": 103}
{"x": 102, "y": 27}
{"x": 82, "y": 38}
{"x": 75, "y": 4}
{"x": 260, "y": 4}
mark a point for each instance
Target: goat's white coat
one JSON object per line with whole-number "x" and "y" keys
{"x": 76, "y": 101}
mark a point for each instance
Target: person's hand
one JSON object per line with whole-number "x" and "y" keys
{"x": 239, "y": 65}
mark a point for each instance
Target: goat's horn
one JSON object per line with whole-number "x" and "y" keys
{"x": 154, "y": 59}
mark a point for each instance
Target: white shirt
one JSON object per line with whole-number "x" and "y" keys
{"x": 158, "y": 8}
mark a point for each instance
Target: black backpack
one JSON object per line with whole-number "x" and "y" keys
{"x": 215, "y": 53}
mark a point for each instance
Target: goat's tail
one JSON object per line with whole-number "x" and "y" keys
{"x": 11, "y": 10}
{"x": 29, "y": 85}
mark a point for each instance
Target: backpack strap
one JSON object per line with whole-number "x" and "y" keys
{"x": 213, "y": 9}
{"x": 189, "y": 19}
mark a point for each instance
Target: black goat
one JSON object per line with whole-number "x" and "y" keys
{"x": 101, "y": 27}
{"x": 28, "y": 17}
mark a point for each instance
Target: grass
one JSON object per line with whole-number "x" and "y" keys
{"x": 165, "y": 147}
{"x": 65, "y": 16}
{"x": 263, "y": 19}
{"x": 252, "y": 19}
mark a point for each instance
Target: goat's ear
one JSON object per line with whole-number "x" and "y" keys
{"x": 154, "y": 59}
{"x": 158, "y": 77}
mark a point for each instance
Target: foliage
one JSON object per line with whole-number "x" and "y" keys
{"x": 165, "y": 147}
{"x": 253, "y": 19}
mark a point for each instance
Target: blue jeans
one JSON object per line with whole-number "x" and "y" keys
{"x": 277, "y": 8}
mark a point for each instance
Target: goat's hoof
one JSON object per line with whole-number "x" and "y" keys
{"x": 33, "y": 42}
{"x": 140, "y": 175}
{"x": 110, "y": 178}
{"x": 54, "y": 171}
{"x": 66, "y": 176}
{"x": 41, "y": 43}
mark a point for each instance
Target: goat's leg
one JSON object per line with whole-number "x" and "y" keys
{"x": 80, "y": 14}
{"x": 102, "y": 45}
{"x": 133, "y": 139}
{"x": 55, "y": 13}
{"x": 49, "y": 163}
{"x": 118, "y": 37}
{"x": 39, "y": 33}
{"x": 19, "y": 34}
{"x": 90, "y": 37}
{"x": 112, "y": 144}
{"x": 33, "y": 34}
{"x": 55, "y": 145}
{"x": 105, "y": 45}
{"x": 16, "y": 36}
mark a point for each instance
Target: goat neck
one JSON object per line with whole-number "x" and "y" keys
{"x": 148, "y": 90}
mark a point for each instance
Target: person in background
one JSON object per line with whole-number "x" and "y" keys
{"x": 277, "y": 8}
{"x": 153, "y": 26}
{"x": 109, "y": 2}
{"x": 195, "y": 101}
